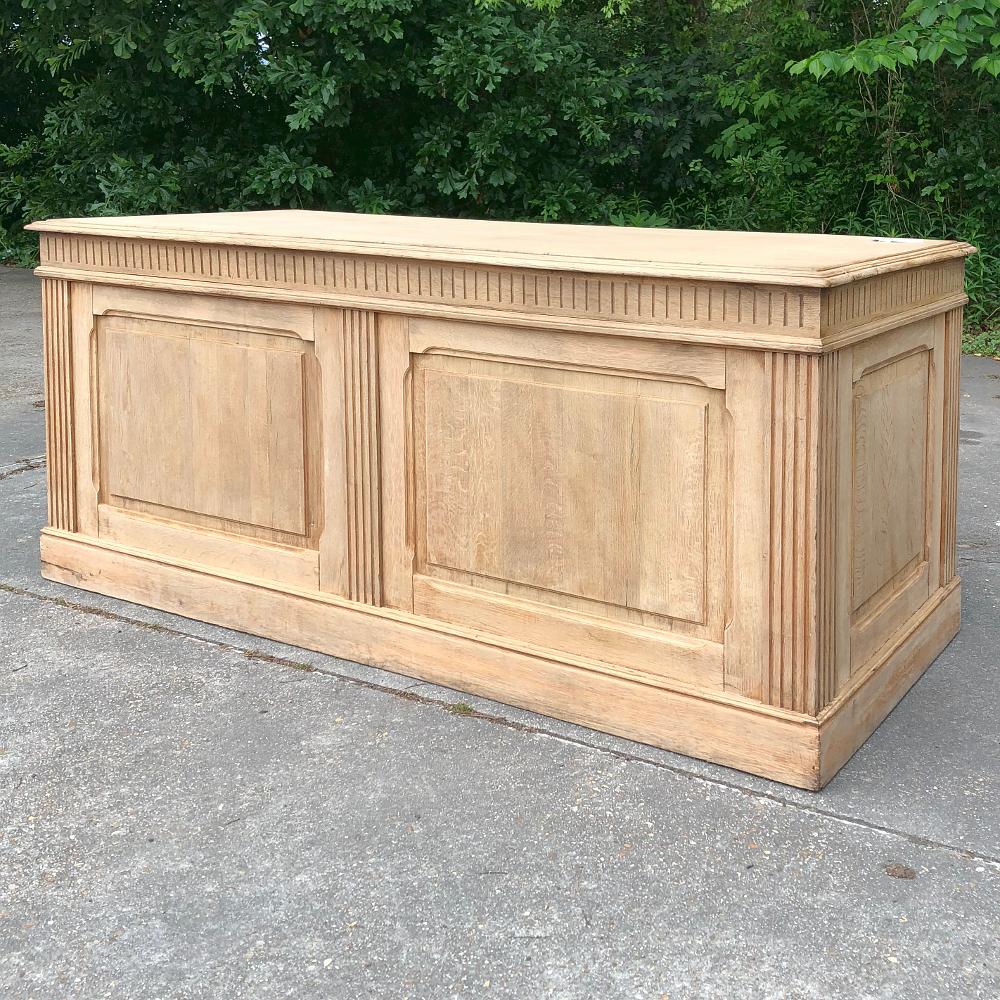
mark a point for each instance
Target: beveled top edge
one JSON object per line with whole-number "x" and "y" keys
{"x": 810, "y": 260}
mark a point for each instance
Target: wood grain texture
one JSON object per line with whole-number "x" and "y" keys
{"x": 395, "y": 460}
{"x": 663, "y": 499}
{"x": 195, "y": 429}
{"x": 569, "y": 492}
{"x": 756, "y": 290}
{"x": 890, "y": 473}
{"x": 679, "y": 362}
{"x": 874, "y": 692}
{"x": 83, "y": 375}
{"x": 228, "y": 437}
{"x": 60, "y": 428}
{"x": 644, "y": 302}
{"x": 831, "y": 639}
{"x": 783, "y": 746}
{"x": 586, "y": 485}
{"x": 772, "y": 642}
{"x": 748, "y": 573}
{"x": 952, "y": 365}
{"x": 895, "y": 430}
{"x": 591, "y": 480}
{"x": 285, "y": 564}
{"x": 748, "y": 257}
{"x": 864, "y": 308}
{"x": 777, "y": 745}
{"x": 791, "y": 679}
{"x": 656, "y": 652}
{"x": 359, "y": 346}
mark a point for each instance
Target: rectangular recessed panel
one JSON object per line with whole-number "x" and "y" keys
{"x": 203, "y": 421}
{"x": 890, "y": 474}
{"x": 577, "y": 484}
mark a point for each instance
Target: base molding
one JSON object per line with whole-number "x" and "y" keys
{"x": 784, "y": 746}
{"x": 876, "y": 689}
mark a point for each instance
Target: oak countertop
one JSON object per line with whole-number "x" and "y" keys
{"x": 796, "y": 259}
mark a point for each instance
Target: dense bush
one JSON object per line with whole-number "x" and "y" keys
{"x": 822, "y": 115}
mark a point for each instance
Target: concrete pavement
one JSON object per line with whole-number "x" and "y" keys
{"x": 189, "y": 812}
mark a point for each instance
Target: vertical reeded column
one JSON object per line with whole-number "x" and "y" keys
{"x": 782, "y": 640}
{"x": 59, "y": 438}
{"x": 949, "y": 444}
{"x": 359, "y": 344}
{"x": 792, "y": 585}
{"x": 829, "y": 458}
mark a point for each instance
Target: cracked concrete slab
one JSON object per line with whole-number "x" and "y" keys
{"x": 191, "y": 823}
{"x": 187, "y": 811}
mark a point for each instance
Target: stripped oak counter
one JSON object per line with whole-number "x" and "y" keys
{"x": 693, "y": 488}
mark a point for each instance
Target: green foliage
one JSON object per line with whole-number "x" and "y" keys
{"x": 819, "y": 115}
{"x": 928, "y": 31}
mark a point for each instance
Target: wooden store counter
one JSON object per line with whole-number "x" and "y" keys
{"x": 693, "y": 488}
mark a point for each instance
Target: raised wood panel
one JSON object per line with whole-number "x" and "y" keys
{"x": 896, "y": 428}
{"x": 891, "y": 410}
{"x": 223, "y": 412}
{"x": 573, "y": 484}
{"x": 60, "y": 427}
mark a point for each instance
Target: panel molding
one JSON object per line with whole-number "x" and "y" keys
{"x": 879, "y": 391}
{"x": 904, "y": 432}
{"x": 579, "y": 532}
{"x": 60, "y": 437}
{"x": 235, "y": 421}
{"x": 659, "y": 652}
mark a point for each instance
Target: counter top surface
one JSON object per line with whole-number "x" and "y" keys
{"x": 782, "y": 258}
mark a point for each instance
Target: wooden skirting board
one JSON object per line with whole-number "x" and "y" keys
{"x": 789, "y": 747}
{"x": 695, "y": 489}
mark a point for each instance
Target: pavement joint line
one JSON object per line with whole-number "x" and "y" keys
{"x": 407, "y": 694}
{"x": 22, "y": 465}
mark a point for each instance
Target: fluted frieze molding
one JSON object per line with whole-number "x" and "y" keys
{"x": 860, "y": 303}
{"x": 629, "y": 300}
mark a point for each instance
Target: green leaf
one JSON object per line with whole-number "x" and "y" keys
{"x": 928, "y": 15}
